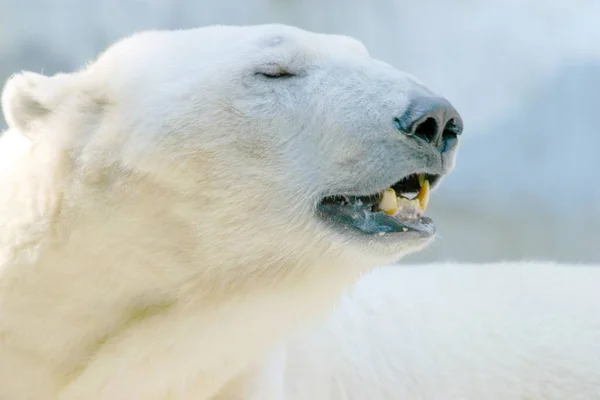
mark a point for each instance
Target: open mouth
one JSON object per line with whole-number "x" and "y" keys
{"x": 398, "y": 209}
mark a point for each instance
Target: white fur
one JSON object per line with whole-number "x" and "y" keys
{"x": 158, "y": 238}
{"x": 502, "y": 331}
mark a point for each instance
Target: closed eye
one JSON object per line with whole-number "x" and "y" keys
{"x": 274, "y": 75}
{"x": 274, "y": 72}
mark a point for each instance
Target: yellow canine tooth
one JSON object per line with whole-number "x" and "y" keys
{"x": 423, "y": 195}
{"x": 421, "y": 178}
{"x": 388, "y": 203}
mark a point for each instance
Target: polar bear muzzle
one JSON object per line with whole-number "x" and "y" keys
{"x": 434, "y": 123}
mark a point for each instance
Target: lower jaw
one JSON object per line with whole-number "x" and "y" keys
{"x": 359, "y": 221}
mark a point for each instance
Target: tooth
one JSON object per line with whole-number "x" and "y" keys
{"x": 403, "y": 202}
{"x": 423, "y": 195}
{"x": 421, "y": 178}
{"x": 388, "y": 203}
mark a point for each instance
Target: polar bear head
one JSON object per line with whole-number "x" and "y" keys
{"x": 259, "y": 150}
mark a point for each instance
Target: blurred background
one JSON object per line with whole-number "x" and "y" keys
{"x": 525, "y": 75}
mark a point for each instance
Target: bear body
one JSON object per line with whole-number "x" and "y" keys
{"x": 159, "y": 235}
{"x": 502, "y": 331}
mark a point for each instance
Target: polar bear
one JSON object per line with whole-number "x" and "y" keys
{"x": 180, "y": 218}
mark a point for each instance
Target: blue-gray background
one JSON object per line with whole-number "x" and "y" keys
{"x": 524, "y": 74}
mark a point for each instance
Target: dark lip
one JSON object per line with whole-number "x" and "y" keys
{"x": 370, "y": 191}
{"x": 375, "y": 224}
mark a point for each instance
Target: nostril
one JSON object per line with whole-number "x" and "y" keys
{"x": 427, "y": 130}
{"x": 451, "y": 130}
{"x": 450, "y": 135}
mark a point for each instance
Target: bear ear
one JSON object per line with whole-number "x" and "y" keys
{"x": 29, "y": 98}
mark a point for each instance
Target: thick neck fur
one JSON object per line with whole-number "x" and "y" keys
{"x": 86, "y": 280}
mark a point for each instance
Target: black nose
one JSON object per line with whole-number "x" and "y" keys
{"x": 432, "y": 119}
